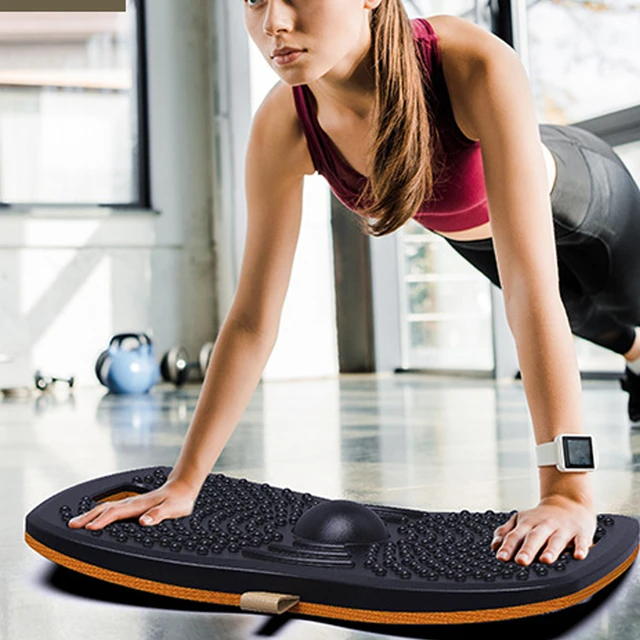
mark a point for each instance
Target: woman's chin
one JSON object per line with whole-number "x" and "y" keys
{"x": 293, "y": 79}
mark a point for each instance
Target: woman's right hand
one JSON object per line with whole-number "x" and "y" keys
{"x": 173, "y": 499}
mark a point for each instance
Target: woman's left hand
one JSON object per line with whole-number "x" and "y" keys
{"x": 557, "y": 522}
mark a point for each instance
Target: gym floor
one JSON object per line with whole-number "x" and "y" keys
{"x": 428, "y": 442}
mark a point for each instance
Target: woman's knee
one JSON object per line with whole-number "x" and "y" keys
{"x": 579, "y": 310}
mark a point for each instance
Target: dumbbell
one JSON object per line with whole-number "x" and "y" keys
{"x": 43, "y": 382}
{"x": 175, "y": 365}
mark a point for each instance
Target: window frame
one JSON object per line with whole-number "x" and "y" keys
{"x": 141, "y": 166}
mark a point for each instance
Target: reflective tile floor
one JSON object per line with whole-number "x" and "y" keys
{"x": 425, "y": 442}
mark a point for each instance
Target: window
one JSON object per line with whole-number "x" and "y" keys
{"x": 70, "y": 98}
{"x": 446, "y": 311}
{"x": 584, "y": 60}
{"x": 447, "y": 306}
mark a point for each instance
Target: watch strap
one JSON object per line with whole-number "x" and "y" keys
{"x": 547, "y": 454}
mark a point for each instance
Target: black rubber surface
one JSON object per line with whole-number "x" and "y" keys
{"x": 246, "y": 536}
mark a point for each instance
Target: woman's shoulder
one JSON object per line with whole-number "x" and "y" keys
{"x": 462, "y": 39}
{"x": 278, "y": 118}
{"x": 453, "y": 34}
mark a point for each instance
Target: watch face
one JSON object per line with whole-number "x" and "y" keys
{"x": 578, "y": 452}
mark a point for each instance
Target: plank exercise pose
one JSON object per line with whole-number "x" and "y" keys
{"x": 431, "y": 119}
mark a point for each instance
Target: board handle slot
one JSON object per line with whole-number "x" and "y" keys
{"x": 118, "y": 493}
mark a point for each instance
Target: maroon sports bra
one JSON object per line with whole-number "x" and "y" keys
{"x": 459, "y": 201}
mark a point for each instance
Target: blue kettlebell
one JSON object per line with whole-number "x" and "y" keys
{"x": 127, "y": 371}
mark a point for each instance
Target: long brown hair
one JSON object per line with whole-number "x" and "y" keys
{"x": 406, "y": 142}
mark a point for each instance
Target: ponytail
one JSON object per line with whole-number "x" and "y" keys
{"x": 405, "y": 141}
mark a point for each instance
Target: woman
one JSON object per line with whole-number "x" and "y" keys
{"x": 439, "y": 117}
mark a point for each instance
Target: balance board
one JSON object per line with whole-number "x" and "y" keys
{"x": 271, "y": 549}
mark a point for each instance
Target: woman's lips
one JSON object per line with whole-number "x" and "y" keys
{"x": 287, "y": 57}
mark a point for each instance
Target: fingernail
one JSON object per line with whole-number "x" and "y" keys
{"x": 502, "y": 555}
{"x": 146, "y": 519}
{"x": 523, "y": 556}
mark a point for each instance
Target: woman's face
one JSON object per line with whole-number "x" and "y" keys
{"x": 333, "y": 34}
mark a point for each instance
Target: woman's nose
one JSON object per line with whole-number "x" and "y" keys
{"x": 277, "y": 17}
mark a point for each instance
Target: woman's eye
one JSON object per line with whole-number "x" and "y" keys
{"x": 249, "y": 3}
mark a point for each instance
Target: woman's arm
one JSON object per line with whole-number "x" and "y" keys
{"x": 275, "y": 165}
{"x": 498, "y": 104}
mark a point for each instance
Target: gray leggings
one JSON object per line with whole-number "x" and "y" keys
{"x": 596, "y": 216}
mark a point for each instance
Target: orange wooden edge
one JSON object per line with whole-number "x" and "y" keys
{"x": 118, "y": 496}
{"x": 330, "y": 611}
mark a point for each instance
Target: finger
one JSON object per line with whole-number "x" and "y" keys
{"x": 121, "y": 510}
{"x": 555, "y": 546}
{"x": 582, "y": 546}
{"x": 502, "y": 531}
{"x": 533, "y": 542}
{"x": 82, "y": 519}
{"x": 153, "y": 516}
{"x": 101, "y": 519}
{"x": 511, "y": 542}
{"x": 104, "y": 518}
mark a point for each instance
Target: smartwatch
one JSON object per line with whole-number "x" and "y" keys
{"x": 568, "y": 452}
